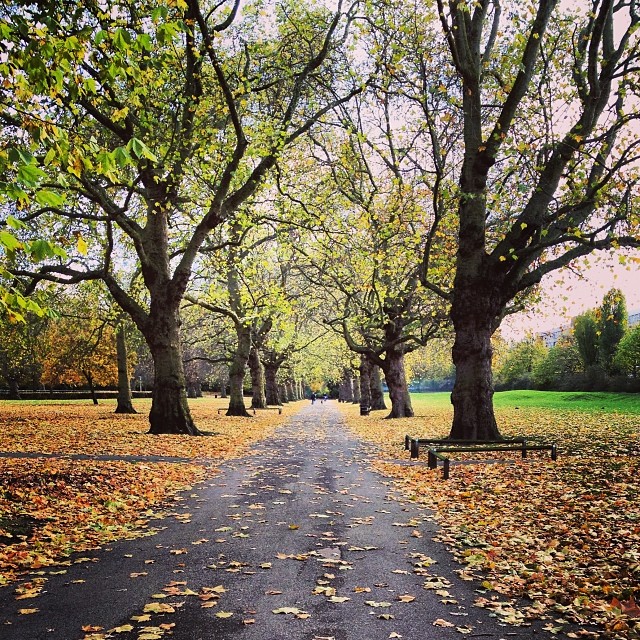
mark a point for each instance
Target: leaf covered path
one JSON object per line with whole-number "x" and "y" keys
{"x": 299, "y": 540}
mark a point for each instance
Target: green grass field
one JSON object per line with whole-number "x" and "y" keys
{"x": 563, "y": 400}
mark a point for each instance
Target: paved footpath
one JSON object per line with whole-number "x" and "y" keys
{"x": 302, "y": 526}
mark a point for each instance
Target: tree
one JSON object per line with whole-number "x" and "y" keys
{"x": 79, "y": 350}
{"x": 124, "y": 402}
{"x": 19, "y": 363}
{"x": 142, "y": 126}
{"x": 612, "y": 325}
{"x": 365, "y": 258}
{"x": 519, "y": 363}
{"x": 627, "y": 357}
{"x": 559, "y": 367}
{"x": 585, "y": 333}
{"x": 548, "y": 168}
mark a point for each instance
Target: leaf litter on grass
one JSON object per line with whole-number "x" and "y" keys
{"x": 563, "y": 537}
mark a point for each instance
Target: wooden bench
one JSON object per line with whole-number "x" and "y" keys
{"x": 279, "y": 409}
{"x": 413, "y": 444}
{"x": 470, "y": 446}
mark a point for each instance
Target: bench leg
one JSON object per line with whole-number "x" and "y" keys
{"x": 432, "y": 461}
{"x": 415, "y": 449}
{"x": 445, "y": 469}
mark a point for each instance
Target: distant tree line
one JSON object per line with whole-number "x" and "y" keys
{"x": 599, "y": 352}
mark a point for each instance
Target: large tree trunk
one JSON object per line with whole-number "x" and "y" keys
{"x": 394, "y": 374}
{"x": 224, "y": 381}
{"x": 472, "y": 395}
{"x": 169, "y": 407}
{"x": 365, "y": 381}
{"x": 237, "y": 372}
{"x": 346, "y": 386}
{"x": 271, "y": 384}
{"x": 377, "y": 394}
{"x": 125, "y": 404}
{"x": 256, "y": 368}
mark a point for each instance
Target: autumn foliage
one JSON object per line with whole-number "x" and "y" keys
{"x": 562, "y": 538}
{"x": 50, "y": 507}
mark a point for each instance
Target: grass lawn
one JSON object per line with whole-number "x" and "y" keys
{"x": 564, "y": 400}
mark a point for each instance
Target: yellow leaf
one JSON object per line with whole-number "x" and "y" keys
{"x": 122, "y": 629}
{"x": 224, "y": 614}
{"x": 82, "y": 246}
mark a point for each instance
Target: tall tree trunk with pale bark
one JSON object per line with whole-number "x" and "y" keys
{"x": 394, "y": 374}
{"x": 237, "y": 372}
{"x": 375, "y": 389}
{"x": 258, "y": 385}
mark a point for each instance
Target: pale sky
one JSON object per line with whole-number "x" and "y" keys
{"x": 565, "y": 294}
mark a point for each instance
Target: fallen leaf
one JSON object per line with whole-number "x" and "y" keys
{"x": 442, "y": 623}
{"x": 125, "y": 628}
{"x": 338, "y": 599}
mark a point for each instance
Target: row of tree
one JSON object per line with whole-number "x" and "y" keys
{"x": 380, "y": 170}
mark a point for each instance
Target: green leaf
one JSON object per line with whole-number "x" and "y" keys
{"x": 14, "y": 223}
{"x": 49, "y": 198}
{"x": 140, "y": 149}
{"x": 122, "y": 157}
{"x": 30, "y": 175}
{"x": 40, "y": 250}
{"x": 9, "y": 241}
{"x": 122, "y": 39}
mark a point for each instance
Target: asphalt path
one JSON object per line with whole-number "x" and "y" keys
{"x": 298, "y": 540}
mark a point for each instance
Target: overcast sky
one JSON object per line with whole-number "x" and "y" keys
{"x": 565, "y": 294}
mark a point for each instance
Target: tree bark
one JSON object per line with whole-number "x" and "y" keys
{"x": 377, "y": 395}
{"x": 224, "y": 381}
{"x": 365, "y": 381}
{"x": 395, "y": 376}
{"x": 356, "y": 389}
{"x": 472, "y": 395}
{"x": 291, "y": 393}
{"x": 271, "y": 385}
{"x": 125, "y": 404}
{"x": 282, "y": 391}
{"x": 258, "y": 385}
{"x": 347, "y": 386}
{"x": 169, "y": 407}
{"x": 237, "y": 372}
